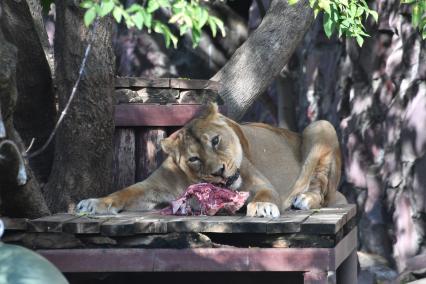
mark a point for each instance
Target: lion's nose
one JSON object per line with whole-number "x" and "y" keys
{"x": 219, "y": 172}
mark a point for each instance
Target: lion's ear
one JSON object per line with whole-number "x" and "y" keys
{"x": 211, "y": 111}
{"x": 169, "y": 144}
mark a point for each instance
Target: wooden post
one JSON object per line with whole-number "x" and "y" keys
{"x": 124, "y": 167}
{"x": 148, "y": 151}
{"x": 348, "y": 272}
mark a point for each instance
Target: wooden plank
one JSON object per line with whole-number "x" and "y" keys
{"x": 328, "y": 220}
{"x": 320, "y": 223}
{"x": 125, "y": 82}
{"x": 124, "y": 165}
{"x": 348, "y": 209}
{"x": 14, "y": 224}
{"x": 344, "y": 248}
{"x": 154, "y": 115}
{"x": 250, "y": 225}
{"x": 194, "y": 259}
{"x": 84, "y": 225}
{"x": 219, "y": 224}
{"x": 129, "y": 115}
{"x": 123, "y": 224}
{"x": 50, "y": 223}
{"x": 288, "y": 222}
{"x": 148, "y": 151}
{"x": 187, "y": 224}
{"x": 153, "y": 224}
{"x": 194, "y": 84}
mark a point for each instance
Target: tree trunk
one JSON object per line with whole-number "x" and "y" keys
{"x": 20, "y": 193}
{"x": 83, "y": 147}
{"x": 259, "y": 60}
{"x": 35, "y": 108}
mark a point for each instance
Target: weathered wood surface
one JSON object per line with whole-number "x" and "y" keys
{"x": 204, "y": 259}
{"x": 323, "y": 221}
{"x": 52, "y": 223}
{"x": 130, "y": 115}
{"x": 174, "y": 83}
{"x": 124, "y": 165}
{"x": 125, "y": 82}
{"x": 13, "y": 224}
{"x": 148, "y": 151}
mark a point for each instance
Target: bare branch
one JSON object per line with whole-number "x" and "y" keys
{"x": 73, "y": 93}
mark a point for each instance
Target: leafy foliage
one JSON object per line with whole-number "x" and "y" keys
{"x": 188, "y": 16}
{"x": 343, "y": 16}
{"x": 418, "y": 14}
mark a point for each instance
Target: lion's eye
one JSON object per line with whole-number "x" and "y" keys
{"x": 215, "y": 141}
{"x": 193, "y": 159}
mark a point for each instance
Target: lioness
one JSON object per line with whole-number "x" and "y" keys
{"x": 278, "y": 167}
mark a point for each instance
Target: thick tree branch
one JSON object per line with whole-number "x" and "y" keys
{"x": 260, "y": 59}
{"x": 19, "y": 190}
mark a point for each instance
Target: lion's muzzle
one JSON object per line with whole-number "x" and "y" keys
{"x": 232, "y": 179}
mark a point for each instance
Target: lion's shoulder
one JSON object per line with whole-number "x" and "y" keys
{"x": 292, "y": 138}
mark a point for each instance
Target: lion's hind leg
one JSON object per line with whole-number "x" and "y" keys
{"x": 319, "y": 177}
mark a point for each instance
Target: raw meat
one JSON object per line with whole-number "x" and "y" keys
{"x": 206, "y": 199}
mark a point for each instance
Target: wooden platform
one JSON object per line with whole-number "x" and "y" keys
{"x": 315, "y": 242}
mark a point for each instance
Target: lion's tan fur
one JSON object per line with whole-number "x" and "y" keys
{"x": 276, "y": 165}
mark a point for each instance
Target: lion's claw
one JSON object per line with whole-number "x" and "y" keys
{"x": 263, "y": 209}
{"x": 95, "y": 206}
{"x": 307, "y": 200}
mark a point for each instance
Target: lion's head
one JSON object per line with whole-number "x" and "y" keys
{"x": 208, "y": 149}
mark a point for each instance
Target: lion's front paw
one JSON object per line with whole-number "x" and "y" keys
{"x": 262, "y": 209}
{"x": 307, "y": 200}
{"x": 97, "y": 206}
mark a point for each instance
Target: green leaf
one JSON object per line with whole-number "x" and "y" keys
{"x": 85, "y": 4}
{"x": 196, "y": 37}
{"x": 175, "y": 18}
{"x": 147, "y": 18}
{"x": 183, "y": 29}
{"x": 180, "y": 4}
{"x": 117, "y": 13}
{"x": 359, "y": 12}
{"x": 328, "y": 25}
{"x": 325, "y": 5}
{"x": 153, "y": 5}
{"x": 134, "y": 8}
{"x": 164, "y": 3}
{"x": 352, "y": 9}
{"x": 292, "y": 2}
{"x": 312, "y": 3}
{"x": 203, "y": 18}
{"x": 106, "y": 8}
{"x": 213, "y": 27}
{"x": 415, "y": 16}
{"x": 219, "y": 24}
{"x": 344, "y": 2}
{"x": 138, "y": 20}
{"x": 89, "y": 16}
{"x": 374, "y": 15}
{"x": 407, "y": 1}
{"x": 359, "y": 40}
{"x": 316, "y": 12}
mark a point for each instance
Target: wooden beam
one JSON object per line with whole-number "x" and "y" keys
{"x": 190, "y": 260}
{"x": 127, "y": 82}
{"x": 156, "y": 115}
